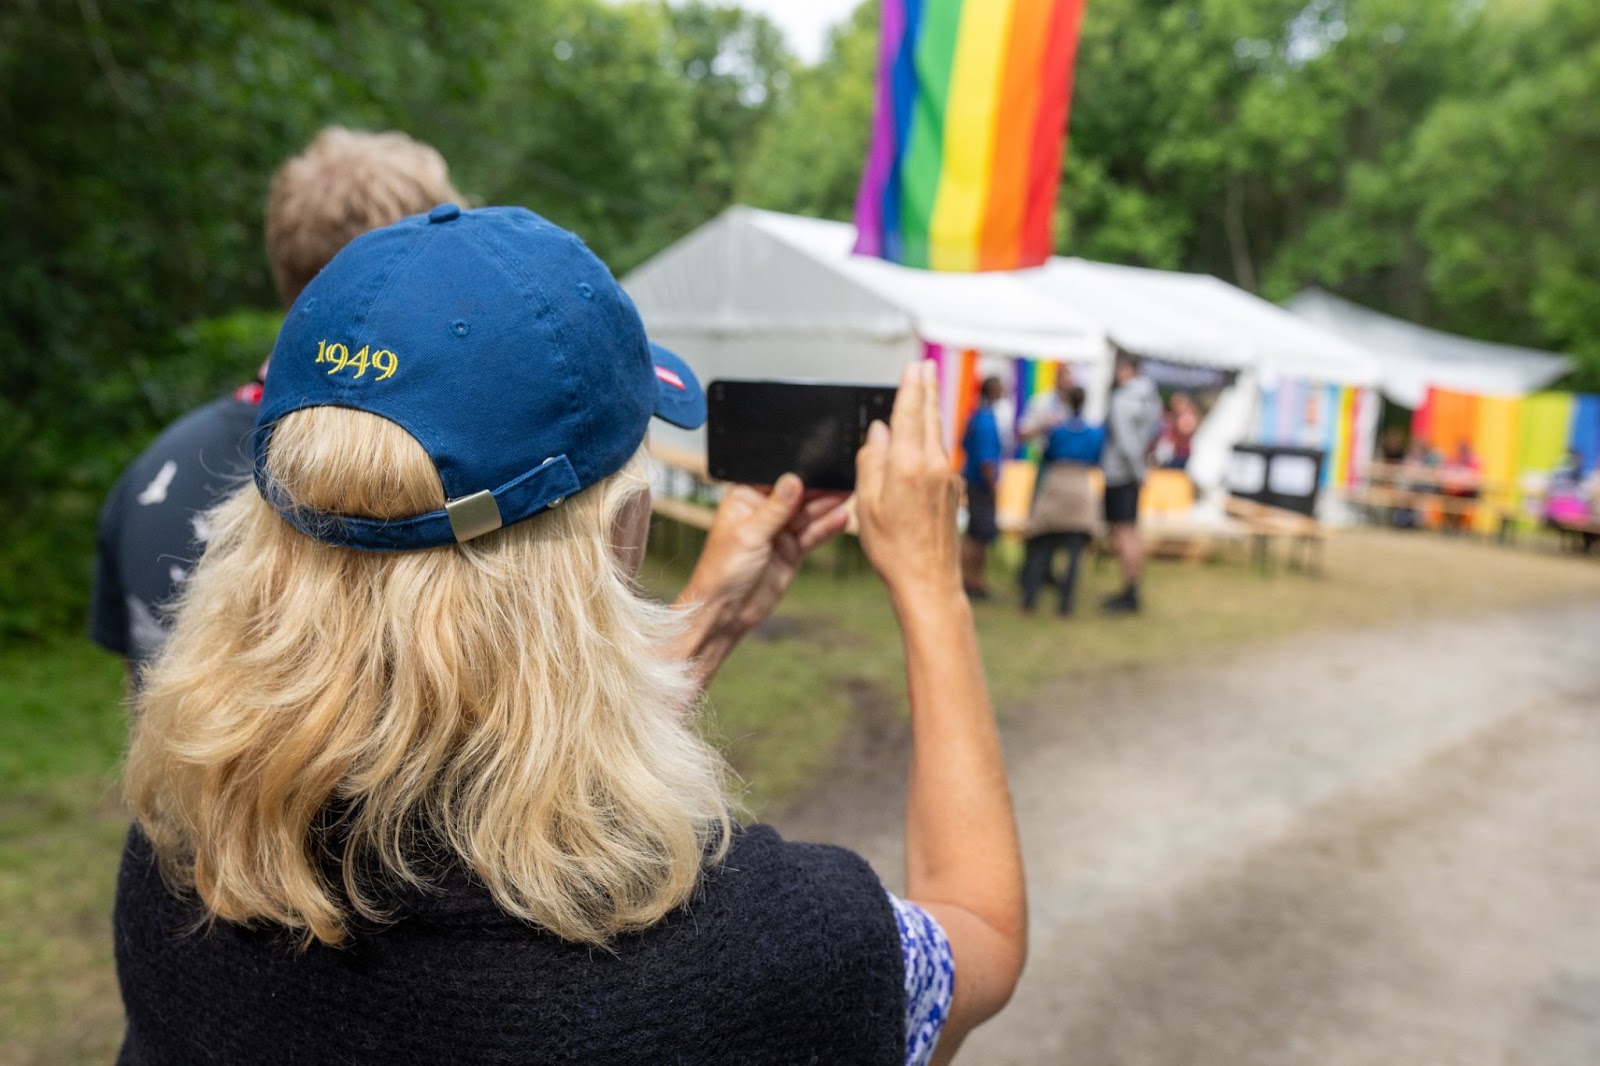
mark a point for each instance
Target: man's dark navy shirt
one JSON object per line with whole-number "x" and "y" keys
{"x": 151, "y": 528}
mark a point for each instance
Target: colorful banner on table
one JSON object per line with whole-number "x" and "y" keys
{"x": 1307, "y": 414}
{"x": 1510, "y": 437}
{"x": 971, "y": 114}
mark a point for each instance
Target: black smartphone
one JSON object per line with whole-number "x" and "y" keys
{"x": 756, "y": 431}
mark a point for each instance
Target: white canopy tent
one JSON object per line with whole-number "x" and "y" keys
{"x": 1199, "y": 319}
{"x": 758, "y": 294}
{"x": 1414, "y": 358}
{"x": 1202, "y": 320}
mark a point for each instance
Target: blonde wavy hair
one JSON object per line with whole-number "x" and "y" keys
{"x": 506, "y": 700}
{"x": 345, "y": 183}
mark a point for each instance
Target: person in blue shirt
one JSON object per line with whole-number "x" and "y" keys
{"x": 981, "y": 471}
{"x": 1063, "y": 514}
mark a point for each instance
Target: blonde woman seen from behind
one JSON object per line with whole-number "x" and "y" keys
{"x": 417, "y": 776}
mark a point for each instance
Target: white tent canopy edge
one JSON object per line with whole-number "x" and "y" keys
{"x": 756, "y": 293}
{"x": 1413, "y": 358}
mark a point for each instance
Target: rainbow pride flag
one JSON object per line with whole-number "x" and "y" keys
{"x": 970, "y": 118}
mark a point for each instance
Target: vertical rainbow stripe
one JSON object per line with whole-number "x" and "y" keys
{"x": 1033, "y": 377}
{"x": 1298, "y": 413}
{"x": 966, "y": 143}
{"x": 957, "y": 371}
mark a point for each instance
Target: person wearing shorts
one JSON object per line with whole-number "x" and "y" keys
{"x": 1131, "y": 426}
{"x": 981, "y": 471}
{"x": 1122, "y": 504}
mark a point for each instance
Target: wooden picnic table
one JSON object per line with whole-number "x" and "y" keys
{"x": 1579, "y": 534}
{"x": 1433, "y": 492}
{"x": 1267, "y": 525}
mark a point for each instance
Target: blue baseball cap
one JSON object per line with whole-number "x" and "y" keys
{"x": 498, "y": 341}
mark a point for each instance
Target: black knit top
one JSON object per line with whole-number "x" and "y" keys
{"x": 788, "y": 954}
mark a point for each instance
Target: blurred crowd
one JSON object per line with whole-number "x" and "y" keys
{"x": 1088, "y": 479}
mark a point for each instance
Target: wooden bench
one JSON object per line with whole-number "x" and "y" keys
{"x": 1169, "y": 522}
{"x": 694, "y": 515}
{"x": 1267, "y": 525}
{"x": 1190, "y": 536}
{"x": 682, "y": 514}
{"x": 1580, "y": 537}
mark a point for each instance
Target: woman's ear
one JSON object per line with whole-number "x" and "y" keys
{"x": 630, "y": 532}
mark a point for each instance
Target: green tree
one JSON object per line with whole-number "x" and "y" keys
{"x": 807, "y": 159}
{"x": 1511, "y": 218}
{"x": 137, "y": 140}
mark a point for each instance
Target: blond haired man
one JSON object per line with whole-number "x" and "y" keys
{"x": 342, "y": 185}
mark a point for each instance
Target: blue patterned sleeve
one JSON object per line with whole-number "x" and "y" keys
{"x": 930, "y": 978}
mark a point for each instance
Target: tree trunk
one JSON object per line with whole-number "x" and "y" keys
{"x": 1244, "y": 268}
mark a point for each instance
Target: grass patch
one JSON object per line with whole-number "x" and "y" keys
{"x": 781, "y": 708}
{"x": 61, "y": 828}
{"x": 784, "y": 701}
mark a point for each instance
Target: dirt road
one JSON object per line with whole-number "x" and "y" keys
{"x": 1368, "y": 848}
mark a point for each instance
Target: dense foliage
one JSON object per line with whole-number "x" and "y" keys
{"x": 137, "y": 140}
{"x": 1436, "y": 158}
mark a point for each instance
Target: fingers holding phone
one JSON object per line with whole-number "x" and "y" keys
{"x": 907, "y": 495}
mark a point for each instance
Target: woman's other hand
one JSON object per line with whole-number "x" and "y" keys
{"x": 752, "y": 554}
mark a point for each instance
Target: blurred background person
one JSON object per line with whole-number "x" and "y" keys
{"x": 981, "y": 444}
{"x": 152, "y": 527}
{"x": 1392, "y": 445}
{"x": 1063, "y": 515}
{"x": 417, "y": 777}
{"x": 1133, "y": 418}
{"x": 1461, "y": 481}
{"x": 1570, "y": 472}
{"x": 1176, "y": 437}
{"x": 1047, "y": 410}
{"x": 1571, "y": 501}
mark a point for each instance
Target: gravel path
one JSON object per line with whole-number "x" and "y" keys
{"x": 1367, "y": 848}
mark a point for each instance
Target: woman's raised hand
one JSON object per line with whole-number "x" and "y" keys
{"x": 907, "y": 495}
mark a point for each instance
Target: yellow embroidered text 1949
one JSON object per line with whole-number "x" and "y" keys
{"x": 383, "y": 360}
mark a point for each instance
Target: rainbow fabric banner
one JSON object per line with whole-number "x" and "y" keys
{"x": 1546, "y": 430}
{"x": 1031, "y": 378}
{"x": 971, "y": 114}
{"x": 957, "y": 371}
{"x": 1303, "y": 414}
{"x": 1511, "y": 437}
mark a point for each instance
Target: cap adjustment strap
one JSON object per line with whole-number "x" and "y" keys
{"x": 473, "y": 516}
{"x": 463, "y": 518}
